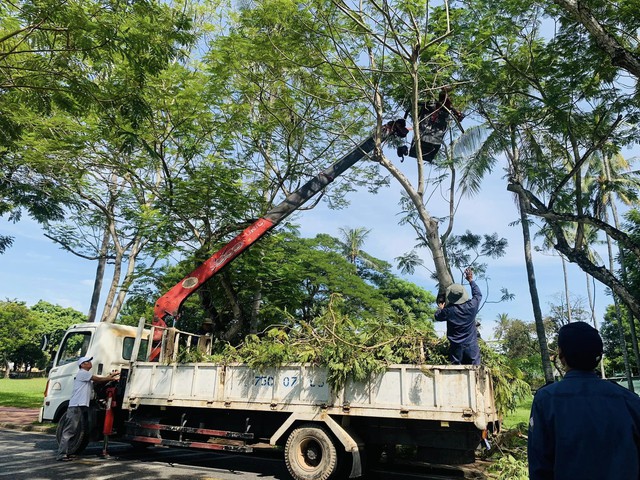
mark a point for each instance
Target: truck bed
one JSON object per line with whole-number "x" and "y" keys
{"x": 445, "y": 393}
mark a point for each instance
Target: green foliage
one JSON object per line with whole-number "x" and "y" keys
{"x": 30, "y": 356}
{"x": 139, "y": 305}
{"x": 348, "y": 348}
{"x": 468, "y": 249}
{"x": 508, "y": 467}
{"x": 30, "y": 336}
{"x": 530, "y": 368}
{"x": 561, "y": 125}
{"x": 54, "y": 321}
{"x": 295, "y": 278}
{"x": 64, "y": 61}
{"x": 288, "y": 105}
{"x": 18, "y": 329}
{"x": 517, "y": 341}
{"x": 190, "y": 355}
{"x": 509, "y": 454}
{"x": 359, "y": 348}
{"x": 610, "y": 332}
{"x": 408, "y": 300}
{"x": 509, "y": 386}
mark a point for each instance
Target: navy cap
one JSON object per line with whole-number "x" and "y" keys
{"x": 581, "y": 345}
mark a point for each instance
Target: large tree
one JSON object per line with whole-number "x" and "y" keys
{"x": 54, "y": 58}
{"x": 283, "y": 115}
{"x": 556, "y": 104}
{"x": 54, "y": 322}
{"x": 18, "y": 328}
{"x": 152, "y": 187}
{"x": 298, "y": 278}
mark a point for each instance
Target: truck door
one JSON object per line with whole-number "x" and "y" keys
{"x": 74, "y": 345}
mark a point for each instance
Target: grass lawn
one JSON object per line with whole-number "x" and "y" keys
{"x": 22, "y": 392}
{"x": 520, "y": 415}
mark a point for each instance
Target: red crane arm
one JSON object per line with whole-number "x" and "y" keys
{"x": 168, "y": 305}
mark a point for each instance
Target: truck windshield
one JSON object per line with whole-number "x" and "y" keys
{"x": 75, "y": 345}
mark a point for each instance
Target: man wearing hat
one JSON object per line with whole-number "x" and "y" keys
{"x": 583, "y": 427}
{"x": 459, "y": 311}
{"x": 79, "y": 403}
{"x": 206, "y": 328}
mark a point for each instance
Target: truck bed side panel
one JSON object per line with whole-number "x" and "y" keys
{"x": 442, "y": 392}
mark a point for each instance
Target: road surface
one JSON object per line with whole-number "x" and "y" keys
{"x": 31, "y": 456}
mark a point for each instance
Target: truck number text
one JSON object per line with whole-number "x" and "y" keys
{"x": 269, "y": 381}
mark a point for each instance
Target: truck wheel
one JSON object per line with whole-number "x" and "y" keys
{"x": 80, "y": 440}
{"x": 310, "y": 454}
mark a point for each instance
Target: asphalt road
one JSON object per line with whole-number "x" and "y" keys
{"x": 31, "y": 455}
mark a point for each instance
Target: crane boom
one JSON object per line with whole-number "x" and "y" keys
{"x": 169, "y": 304}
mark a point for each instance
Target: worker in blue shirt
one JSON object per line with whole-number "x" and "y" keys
{"x": 583, "y": 427}
{"x": 459, "y": 311}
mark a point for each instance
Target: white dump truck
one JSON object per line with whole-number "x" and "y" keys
{"x": 444, "y": 410}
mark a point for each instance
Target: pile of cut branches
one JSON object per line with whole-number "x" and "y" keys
{"x": 357, "y": 350}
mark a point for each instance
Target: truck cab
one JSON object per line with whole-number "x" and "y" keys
{"x": 110, "y": 345}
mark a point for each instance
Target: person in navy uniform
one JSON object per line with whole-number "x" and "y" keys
{"x": 459, "y": 311}
{"x": 434, "y": 122}
{"x": 583, "y": 427}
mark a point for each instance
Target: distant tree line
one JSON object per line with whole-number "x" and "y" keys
{"x": 29, "y": 336}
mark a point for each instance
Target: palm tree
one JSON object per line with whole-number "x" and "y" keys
{"x": 353, "y": 240}
{"x": 517, "y": 156}
{"x": 547, "y": 246}
{"x": 612, "y": 179}
{"x": 502, "y": 325}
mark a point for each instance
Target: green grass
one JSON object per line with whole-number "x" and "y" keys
{"x": 520, "y": 415}
{"x": 22, "y": 392}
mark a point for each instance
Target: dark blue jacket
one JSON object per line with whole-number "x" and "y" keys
{"x": 585, "y": 428}
{"x": 461, "y": 319}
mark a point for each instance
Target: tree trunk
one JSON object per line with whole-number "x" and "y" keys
{"x": 433, "y": 240}
{"x": 238, "y": 318}
{"x": 566, "y": 288}
{"x": 535, "y": 298}
{"x": 592, "y": 307}
{"x": 97, "y": 284}
{"x": 115, "y": 282}
{"x": 623, "y": 342}
{"x": 134, "y": 250}
{"x": 255, "y": 309}
{"x": 623, "y": 275}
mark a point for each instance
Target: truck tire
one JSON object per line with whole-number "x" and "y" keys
{"x": 79, "y": 442}
{"x": 310, "y": 454}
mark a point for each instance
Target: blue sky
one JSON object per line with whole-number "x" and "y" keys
{"x": 34, "y": 268}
